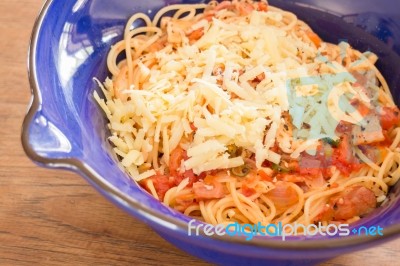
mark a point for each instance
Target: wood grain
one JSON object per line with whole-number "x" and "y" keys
{"x": 50, "y": 217}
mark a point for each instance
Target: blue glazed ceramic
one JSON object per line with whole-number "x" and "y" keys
{"x": 64, "y": 127}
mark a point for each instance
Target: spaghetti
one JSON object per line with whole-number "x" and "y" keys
{"x": 238, "y": 112}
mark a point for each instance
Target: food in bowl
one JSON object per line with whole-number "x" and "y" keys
{"x": 238, "y": 112}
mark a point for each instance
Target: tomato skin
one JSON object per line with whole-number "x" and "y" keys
{"x": 262, "y": 7}
{"x": 248, "y": 191}
{"x": 264, "y": 176}
{"x": 193, "y": 127}
{"x": 343, "y": 152}
{"x": 388, "y": 140}
{"x": 343, "y": 128}
{"x": 314, "y": 38}
{"x": 223, "y": 5}
{"x": 187, "y": 174}
{"x": 208, "y": 189}
{"x": 294, "y": 178}
{"x": 347, "y": 168}
{"x": 310, "y": 166}
{"x": 363, "y": 109}
{"x": 161, "y": 183}
{"x": 182, "y": 202}
{"x": 310, "y": 171}
{"x": 245, "y": 8}
{"x": 389, "y": 117}
{"x": 209, "y": 17}
{"x": 176, "y": 157}
{"x": 343, "y": 157}
{"x": 283, "y": 195}
{"x": 196, "y": 35}
{"x": 353, "y": 201}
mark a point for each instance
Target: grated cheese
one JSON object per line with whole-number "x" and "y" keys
{"x": 182, "y": 90}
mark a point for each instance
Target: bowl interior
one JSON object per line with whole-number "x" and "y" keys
{"x": 72, "y": 50}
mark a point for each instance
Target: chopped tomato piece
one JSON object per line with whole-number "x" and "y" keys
{"x": 223, "y": 5}
{"x": 343, "y": 152}
{"x": 248, "y": 191}
{"x": 310, "y": 166}
{"x": 251, "y": 180}
{"x": 283, "y": 195}
{"x": 347, "y": 168}
{"x": 259, "y": 78}
{"x": 184, "y": 201}
{"x": 311, "y": 172}
{"x": 357, "y": 201}
{"x": 291, "y": 178}
{"x": 316, "y": 181}
{"x": 389, "y": 117}
{"x": 344, "y": 128}
{"x": 161, "y": 183}
{"x": 294, "y": 166}
{"x": 177, "y": 155}
{"x": 388, "y": 140}
{"x": 245, "y": 8}
{"x": 360, "y": 107}
{"x": 314, "y": 38}
{"x": 262, "y": 6}
{"x": 193, "y": 127}
{"x": 196, "y": 35}
{"x": 353, "y": 201}
{"x": 187, "y": 174}
{"x": 264, "y": 176}
{"x": 343, "y": 157}
{"x": 334, "y": 185}
{"x": 266, "y": 163}
{"x": 208, "y": 17}
{"x": 363, "y": 109}
{"x": 205, "y": 191}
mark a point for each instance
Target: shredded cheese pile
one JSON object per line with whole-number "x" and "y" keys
{"x": 208, "y": 86}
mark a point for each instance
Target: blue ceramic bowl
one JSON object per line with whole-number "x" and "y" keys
{"x": 65, "y": 128}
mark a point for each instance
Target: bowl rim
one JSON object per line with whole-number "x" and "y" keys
{"x": 134, "y": 206}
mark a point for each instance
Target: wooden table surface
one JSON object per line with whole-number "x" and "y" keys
{"x": 54, "y": 217}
